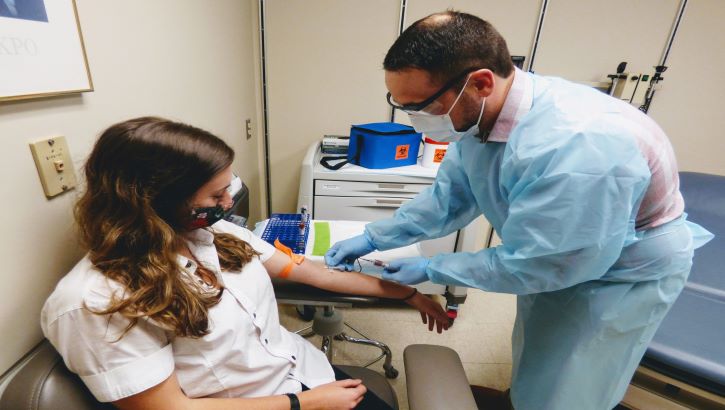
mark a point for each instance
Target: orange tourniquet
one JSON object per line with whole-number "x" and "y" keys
{"x": 293, "y": 258}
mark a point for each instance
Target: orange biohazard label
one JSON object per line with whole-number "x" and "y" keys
{"x": 438, "y": 155}
{"x": 401, "y": 151}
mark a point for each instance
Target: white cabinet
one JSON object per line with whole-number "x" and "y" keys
{"x": 358, "y": 194}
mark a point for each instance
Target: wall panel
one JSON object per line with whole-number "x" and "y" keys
{"x": 584, "y": 40}
{"x": 515, "y": 20}
{"x": 689, "y": 105}
{"x": 324, "y": 71}
{"x": 175, "y": 58}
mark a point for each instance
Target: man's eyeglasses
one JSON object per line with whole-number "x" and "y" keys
{"x": 424, "y": 105}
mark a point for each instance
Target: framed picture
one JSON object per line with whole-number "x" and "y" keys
{"x": 41, "y": 50}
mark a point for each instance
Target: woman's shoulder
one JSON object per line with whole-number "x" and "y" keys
{"x": 83, "y": 286}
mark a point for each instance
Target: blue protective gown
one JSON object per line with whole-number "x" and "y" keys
{"x": 563, "y": 194}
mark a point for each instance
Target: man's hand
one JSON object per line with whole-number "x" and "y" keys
{"x": 431, "y": 312}
{"x": 342, "y": 255}
{"x": 410, "y": 271}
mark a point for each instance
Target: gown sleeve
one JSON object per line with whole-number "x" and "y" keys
{"x": 572, "y": 207}
{"x": 442, "y": 208}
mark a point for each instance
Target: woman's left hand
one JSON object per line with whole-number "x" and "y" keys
{"x": 431, "y": 312}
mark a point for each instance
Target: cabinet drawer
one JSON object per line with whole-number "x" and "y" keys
{"x": 355, "y": 208}
{"x": 357, "y": 188}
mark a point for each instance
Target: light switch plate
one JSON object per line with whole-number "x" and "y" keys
{"x": 55, "y": 167}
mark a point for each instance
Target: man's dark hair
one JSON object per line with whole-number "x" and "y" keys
{"x": 447, "y": 44}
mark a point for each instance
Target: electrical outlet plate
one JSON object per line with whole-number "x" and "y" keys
{"x": 248, "y": 126}
{"x": 55, "y": 167}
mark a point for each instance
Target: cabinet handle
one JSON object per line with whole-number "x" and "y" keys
{"x": 389, "y": 201}
{"x": 392, "y": 186}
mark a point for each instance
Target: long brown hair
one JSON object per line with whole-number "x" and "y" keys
{"x": 141, "y": 176}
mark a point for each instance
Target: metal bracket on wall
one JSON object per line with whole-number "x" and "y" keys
{"x": 659, "y": 69}
{"x": 401, "y": 27}
{"x": 265, "y": 106}
{"x": 537, "y": 35}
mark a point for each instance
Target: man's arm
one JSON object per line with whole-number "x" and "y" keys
{"x": 444, "y": 207}
{"x": 571, "y": 212}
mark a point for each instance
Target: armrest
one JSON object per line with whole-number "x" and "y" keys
{"x": 436, "y": 379}
{"x": 288, "y": 291}
{"x": 43, "y": 382}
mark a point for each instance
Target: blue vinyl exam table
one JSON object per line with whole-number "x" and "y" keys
{"x": 689, "y": 346}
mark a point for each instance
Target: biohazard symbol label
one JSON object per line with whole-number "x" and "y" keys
{"x": 401, "y": 151}
{"x": 438, "y": 155}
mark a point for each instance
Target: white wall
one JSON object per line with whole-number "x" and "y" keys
{"x": 689, "y": 105}
{"x": 324, "y": 70}
{"x": 325, "y": 56}
{"x": 175, "y": 58}
{"x": 584, "y": 40}
{"x": 324, "y": 66}
{"x": 514, "y": 19}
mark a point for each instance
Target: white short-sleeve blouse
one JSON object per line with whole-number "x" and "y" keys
{"x": 246, "y": 354}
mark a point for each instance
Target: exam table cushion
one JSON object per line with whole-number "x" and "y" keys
{"x": 690, "y": 343}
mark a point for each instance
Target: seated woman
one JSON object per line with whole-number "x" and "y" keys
{"x": 173, "y": 308}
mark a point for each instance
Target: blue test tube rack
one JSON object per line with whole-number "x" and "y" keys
{"x": 291, "y": 229}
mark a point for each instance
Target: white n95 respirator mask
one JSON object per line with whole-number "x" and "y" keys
{"x": 440, "y": 127}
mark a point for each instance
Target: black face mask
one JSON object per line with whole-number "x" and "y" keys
{"x": 204, "y": 217}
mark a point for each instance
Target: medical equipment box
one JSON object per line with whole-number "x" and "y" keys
{"x": 383, "y": 145}
{"x": 335, "y": 144}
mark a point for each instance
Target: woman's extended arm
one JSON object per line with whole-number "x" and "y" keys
{"x": 344, "y": 394}
{"x": 315, "y": 274}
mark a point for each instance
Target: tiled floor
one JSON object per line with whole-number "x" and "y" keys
{"x": 481, "y": 336}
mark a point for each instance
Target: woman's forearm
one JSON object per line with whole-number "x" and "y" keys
{"x": 168, "y": 395}
{"x": 261, "y": 403}
{"x": 317, "y": 275}
{"x": 352, "y": 282}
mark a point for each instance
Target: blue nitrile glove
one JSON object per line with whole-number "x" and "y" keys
{"x": 343, "y": 254}
{"x": 410, "y": 271}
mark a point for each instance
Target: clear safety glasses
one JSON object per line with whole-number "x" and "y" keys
{"x": 430, "y": 105}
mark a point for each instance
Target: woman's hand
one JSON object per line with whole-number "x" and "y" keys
{"x": 430, "y": 311}
{"x": 339, "y": 395}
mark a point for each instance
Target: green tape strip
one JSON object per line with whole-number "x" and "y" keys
{"x": 322, "y": 238}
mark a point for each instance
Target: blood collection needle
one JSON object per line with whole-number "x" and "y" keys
{"x": 376, "y": 262}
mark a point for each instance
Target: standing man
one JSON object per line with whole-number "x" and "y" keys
{"x": 582, "y": 188}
